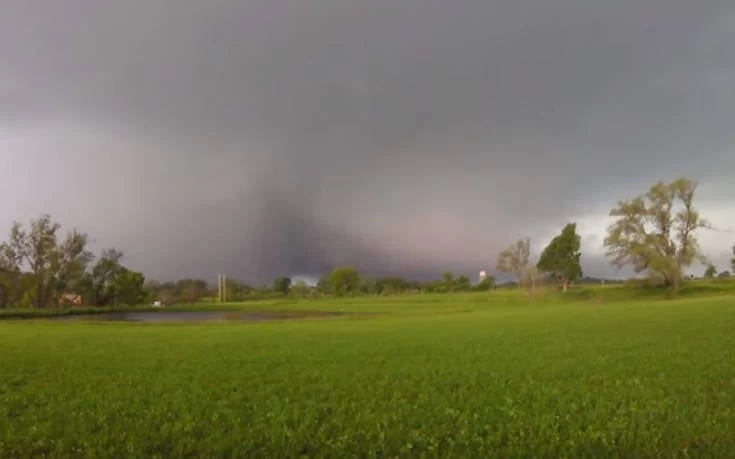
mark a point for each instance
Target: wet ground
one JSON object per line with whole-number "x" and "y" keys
{"x": 195, "y": 316}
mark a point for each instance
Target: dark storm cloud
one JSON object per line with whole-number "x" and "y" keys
{"x": 264, "y": 137}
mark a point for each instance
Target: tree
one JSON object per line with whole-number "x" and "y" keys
{"x": 189, "y": 290}
{"x": 282, "y": 285}
{"x": 560, "y": 259}
{"x": 165, "y": 293}
{"x": 656, "y": 232}
{"x": 486, "y": 284}
{"x": 462, "y": 283}
{"x": 732, "y": 262}
{"x": 514, "y": 260}
{"x": 236, "y": 290}
{"x": 448, "y": 281}
{"x": 724, "y": 275}
{"x": 391, "y": 285}
{"x": 530, "y": 275}
{"x": 10, "y": 277}
{"x": 324, "y": 285}
{"x": 710, "y": 272}
{"x": 128, "y": 288}
{"x": 55, "y": 266}
{"x": 299, "y": 289}
{"x": 345, "y": 280}
{"x": 100, "y": 280}
{"x": 368, "y": 286}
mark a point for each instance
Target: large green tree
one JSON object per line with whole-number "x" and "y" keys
{"x": 560, "y": 259}
{"x": 710, "y": 272}
{"x": 345, "y": 280}
{"x": 656, "y": 232}
{"x": 128, "y": 288}
{"x": 515, "y": 259}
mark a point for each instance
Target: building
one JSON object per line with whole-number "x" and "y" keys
{"x": 71, "y": 299}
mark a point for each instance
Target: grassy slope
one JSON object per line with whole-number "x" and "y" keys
{"x": 470, "y": 375}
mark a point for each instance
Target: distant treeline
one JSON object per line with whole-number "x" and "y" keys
{"x": 654, "y": 234}
{"x": 347, "y": 281}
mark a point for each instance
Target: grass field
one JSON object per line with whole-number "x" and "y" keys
{"x": 475, "y": 375}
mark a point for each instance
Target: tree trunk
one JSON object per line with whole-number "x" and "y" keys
{"x": 39, "y": 294}
{"x": 564, "y": 285}
{"x": 676, "y": 281}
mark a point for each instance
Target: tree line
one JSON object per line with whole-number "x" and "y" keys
{"x": 654, "y": 233}
{"x": 40, "y": 267}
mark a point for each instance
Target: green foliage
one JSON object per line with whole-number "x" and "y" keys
{"x": 190, "y": 290}
{"x": 300, "y": 290}
{"x": 324, "y": 286}
{"x": 732, "y": 262}
{"x": 391, "y": 285}
{"x": 486, "y": 284}
{"x": 345, "y": 280}
{"x": 448, "y": 284}
{"x": 100, "y": 283}
{"x": 441, "y": 376}
{"x": 368, "y": 286}
{"x": 560, "y": 259}
{"x": 282, "y": 285}
{"x": 181, "y": 291}
{"x": 237, "y": 291}
{"x": 656, "y": 232}
{"x": 39, "y": 268}
{"x": 128, "y": 288}
{"x": 710, "y": 272}
{"x": 462, "y": 283}
{"x": 54, "y": 266}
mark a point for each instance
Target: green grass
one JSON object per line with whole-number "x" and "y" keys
{"x": 474, "y": 375}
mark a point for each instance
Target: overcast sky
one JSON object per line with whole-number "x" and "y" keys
{"x": 263, "y": 137}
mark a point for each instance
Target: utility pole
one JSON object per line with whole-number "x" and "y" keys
{"x": 224, "y": 288}
{"x": 221, "y": 288}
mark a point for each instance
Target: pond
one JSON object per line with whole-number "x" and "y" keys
{"x": 194, "y": 316}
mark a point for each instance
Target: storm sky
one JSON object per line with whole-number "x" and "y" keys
{"x": 261, "y": 137}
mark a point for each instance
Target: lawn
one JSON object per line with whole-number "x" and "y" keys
{"x": 436, "y": 376}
